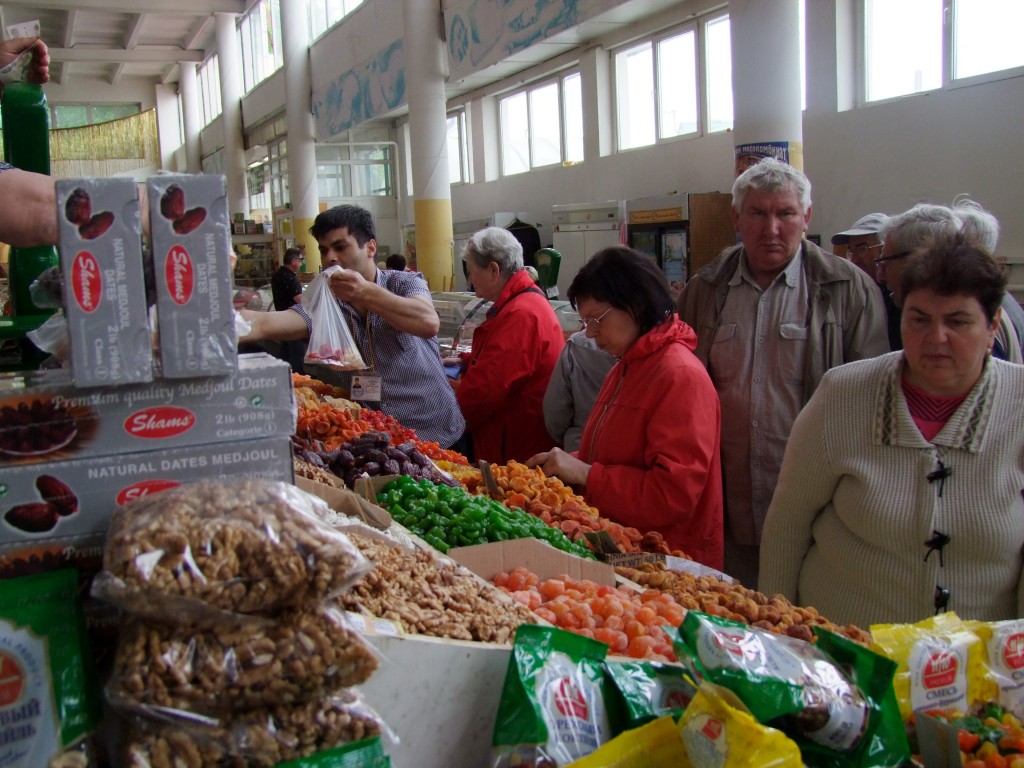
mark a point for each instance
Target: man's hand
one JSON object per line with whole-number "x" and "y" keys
{"x": 39, "y": 68}
{"x": 349, "y": 286}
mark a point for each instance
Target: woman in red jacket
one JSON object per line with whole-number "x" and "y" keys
{"x": 649, "y": 455}
{"x": 501, "y": 391}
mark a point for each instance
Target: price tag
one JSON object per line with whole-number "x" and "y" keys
{"x": 366, "y": 388}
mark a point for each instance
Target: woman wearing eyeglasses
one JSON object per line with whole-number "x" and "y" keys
{"x": 649, "y": 454}
{"x": 900, "y": 491}
{"x": 501, "y": 389}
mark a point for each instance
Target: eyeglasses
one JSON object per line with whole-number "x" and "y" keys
{"x": 894, "y": 257}
{"x": 595, "y": 322}
{"x": 862, "y": 248}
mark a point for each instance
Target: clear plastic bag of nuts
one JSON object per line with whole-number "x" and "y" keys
{"x": 299, "y": 657}
{"x": 241, "y": 546}
{"x": 159, "y": 737}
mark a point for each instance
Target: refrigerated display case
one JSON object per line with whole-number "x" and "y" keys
{"x": 579, "y": 231}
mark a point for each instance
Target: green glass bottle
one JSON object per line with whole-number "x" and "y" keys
{"x": 26, "y": 118}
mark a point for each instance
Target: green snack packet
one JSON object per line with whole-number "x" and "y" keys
{"x": 554, "y": 702}
{"x": 831, "y": 707}
{"x": 368, "y": 753}
{"x": 649, "y": 690}
{"x": 47, "y": 706}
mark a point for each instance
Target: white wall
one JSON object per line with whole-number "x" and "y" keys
{"x": 80, "y": 90}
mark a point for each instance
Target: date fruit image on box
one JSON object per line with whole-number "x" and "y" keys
{"x": 191, "y": 237}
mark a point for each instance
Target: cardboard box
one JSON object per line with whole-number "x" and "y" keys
{"x": 191, "y": 235}
{"x": 348, "y": 503}
{"x": 44, "y": 417}
{"x": 541, "y": 558}
{"x": 104, "y": 290}
{"x": 679, "y": 564}
{"x": 65, "y": 502}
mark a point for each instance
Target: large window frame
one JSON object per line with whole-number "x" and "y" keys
{"x": 458, "y": 148}
{"x": 210, "y": 101}
{"x": 655, "y": 103}
{"x": 940, "y": 42}
{"x": 526, "y": 142}
{"x": 354, "y": 169}
{"x": 323, "y": 15}
{"x": 259, "y": 40}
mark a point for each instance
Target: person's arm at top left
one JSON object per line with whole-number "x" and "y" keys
{"x": 31, "y": 194}
{"x": 413, "y": 314}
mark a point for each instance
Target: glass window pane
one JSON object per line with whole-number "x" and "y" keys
{"x": 572, "y": 102}
{"x": 515, "y": 138}
{"x": 454, "y": 150}
{"x": 70, "y": 115}
{"x": 903, "y": 47}
{"x": 545, "y": 126}
{"x": 718, "y": 46}
{"x": 677, "y": 85}
{"x": 986, "y": 36}
{"x": 634, "y": 96}
{"x": 102, "y": 113}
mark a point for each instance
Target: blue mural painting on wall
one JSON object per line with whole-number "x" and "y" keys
{"x": 375, "y": 87}
{"x": 488, "y": 31}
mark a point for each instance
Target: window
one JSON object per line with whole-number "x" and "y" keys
{"x": 259, "y": 36}
{"x": 718, "y": 62}
{"x": 458, "y": 148}
{"x": 208, "y": 77}
{"x": 324, "y": 14}
{"x": 75, "y": 115}
{"x": 542, "y": 125}
{"x": 354, "y": 169}
{"x": 908, "y": 48}
{"x": 280, "y": 194}
{"x": 657, "y": 84}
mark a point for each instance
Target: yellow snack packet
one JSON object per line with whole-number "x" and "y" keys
{"x": 718, "y": 732}
{"x": 941, "y": 664}
{"x": 1004, "y": 646}
{"x": 654, "y": 745}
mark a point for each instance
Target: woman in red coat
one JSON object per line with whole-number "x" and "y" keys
{"x": 501, "y": 391}
{"x": 649, "y": 455}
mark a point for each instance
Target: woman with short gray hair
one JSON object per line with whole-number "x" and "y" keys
{"x": 501, "y": 389}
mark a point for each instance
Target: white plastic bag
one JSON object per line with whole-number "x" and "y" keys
{"x": 330, "y": 341}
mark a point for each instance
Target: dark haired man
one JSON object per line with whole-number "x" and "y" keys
{"x": 393, "y": 322}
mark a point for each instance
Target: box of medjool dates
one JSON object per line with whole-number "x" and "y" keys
{"x": 71, "y": 501}
{"x": 191, "y": 235}
{"x": 44, "y": 417}
{"x": 104, "y": 296}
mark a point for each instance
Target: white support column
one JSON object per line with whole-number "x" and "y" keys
{"x": 191, "y": 117}
{"x": 301, "y": 128}
{"x": 766, "y": 74}
{"x": 428, "y": 127}
{"x": 230, "y": 62}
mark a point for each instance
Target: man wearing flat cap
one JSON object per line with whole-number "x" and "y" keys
{"x": 863, "y": 243}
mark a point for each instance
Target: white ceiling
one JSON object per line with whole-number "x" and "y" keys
{"x": 113, "y": 39}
